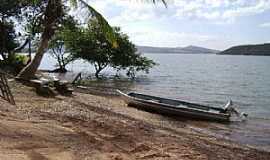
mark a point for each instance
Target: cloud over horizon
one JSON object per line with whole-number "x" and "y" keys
{"x": 186, "y": 22}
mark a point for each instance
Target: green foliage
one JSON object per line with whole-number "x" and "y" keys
{"x": 125, "y": 56}
{"x": 15, "y": 63}
{"x": 92, "y": 45}
{"x": 57, "y": 51}
{"x": 19, "y": 62}
{"x": 85, "y": 43}
{"x": 103, "y": 24}
{"x": 47, "y": 23}
{"x": 10, "y": 8}
{"x": 57, "y": 45}
{"x": 20, "y": 59}
{"x": 32, "y": 14}
{"x": 7, "y": 39}
{"x": 94, "y": 14}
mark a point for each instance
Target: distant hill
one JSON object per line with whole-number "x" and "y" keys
{"x": 196, "y": 49}
{"x": 259, "y": 49}
{"x": 176, "y": 50}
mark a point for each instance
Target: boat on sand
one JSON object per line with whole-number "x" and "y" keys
{"x": 178, "y": 107}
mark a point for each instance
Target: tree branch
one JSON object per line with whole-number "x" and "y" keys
{"x": 18, "y": 49}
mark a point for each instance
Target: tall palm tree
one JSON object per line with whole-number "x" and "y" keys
{"x": 54, "y": 11}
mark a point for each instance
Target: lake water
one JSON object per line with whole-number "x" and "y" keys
{"x": 211, "y": 80}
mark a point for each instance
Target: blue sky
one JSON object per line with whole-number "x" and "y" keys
{"x": 216, "y": 24}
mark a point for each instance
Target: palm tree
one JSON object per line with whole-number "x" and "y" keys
{"x": 53, "y": 12}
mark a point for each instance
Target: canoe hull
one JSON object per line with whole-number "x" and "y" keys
{"x": 170, "y": 110}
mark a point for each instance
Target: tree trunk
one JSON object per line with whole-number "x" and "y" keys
{"x": 29, "y": 71}
{"x": 29, "y": 52}
{"x": 52, "y": 13}
{"x": 97, "y": 74}
{"x": 99, "y": 67}
{"x": 22, "y": 46}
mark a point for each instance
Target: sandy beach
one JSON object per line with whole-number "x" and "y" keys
{"x": 87, "y": 126}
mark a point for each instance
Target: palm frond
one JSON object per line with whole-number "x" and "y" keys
{"x": 107, "y": 29}
{"x": 101, "y": 20}
{"x": 163, "y": 1}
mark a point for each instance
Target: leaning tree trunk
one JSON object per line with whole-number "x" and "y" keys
{"x": 52, "y": 14}
{"x": 29, "y": 71}
{"x": 29, "y": 51}
{"x": 99, "y": 67}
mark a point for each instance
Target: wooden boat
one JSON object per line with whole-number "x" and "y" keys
{"x": 178, "y": 107}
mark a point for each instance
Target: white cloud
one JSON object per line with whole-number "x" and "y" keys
{"x": 141, "y": 12}
{"x": 127, "y": 16}
{"x": 267, "y": 24}
{"x": 217, "y": 10}
{"x": 259, "y": 7}
{"x": 159, "y": 38}
{"x": 146, "y": 23}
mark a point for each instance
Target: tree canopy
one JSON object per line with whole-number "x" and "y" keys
{"x": 10, "y": 8}
{"x": 92, "y": 45}
{"x": 45, "y": 18}
{"x": 57, "y": 47}
{"x": 126, "y": 57}
{"x": 7, "y": 39}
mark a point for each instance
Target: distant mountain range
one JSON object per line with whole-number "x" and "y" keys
{"x": 258, "y": 49}
{"x": 177, "y": 50}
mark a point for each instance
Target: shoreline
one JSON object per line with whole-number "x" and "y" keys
{"x": 101, "y": 127}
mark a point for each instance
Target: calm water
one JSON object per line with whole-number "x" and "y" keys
{"x": 212, "y": 80}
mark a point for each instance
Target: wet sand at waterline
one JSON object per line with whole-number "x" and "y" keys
{"x": 100, "y": 127}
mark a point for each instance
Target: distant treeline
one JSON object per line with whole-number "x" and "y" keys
{"x": 259, "y": 49}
